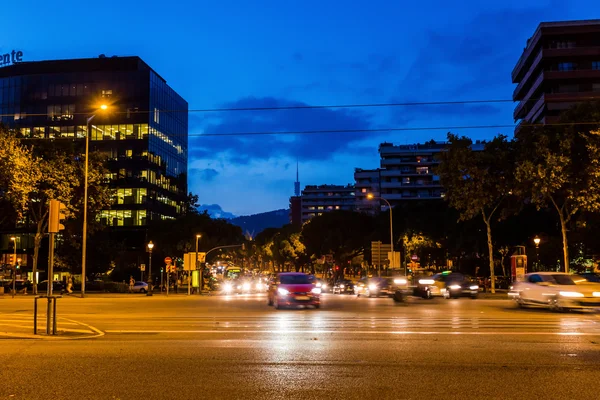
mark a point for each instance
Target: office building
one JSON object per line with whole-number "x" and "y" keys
{"x": 146, "y": 144}
{"x": 316, "y": 200}
{"x": 559, "y": 67}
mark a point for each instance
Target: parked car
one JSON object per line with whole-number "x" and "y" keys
{"x": 343, "y": 286}
{"x": 557, "y": 291}
{"x": 292, "y": 289}
{"x": 140, "y": 287}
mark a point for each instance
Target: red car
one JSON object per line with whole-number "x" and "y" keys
{"x": 293, "y": 288}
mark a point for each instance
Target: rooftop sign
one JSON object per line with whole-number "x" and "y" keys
{"x": 13, "y": 57}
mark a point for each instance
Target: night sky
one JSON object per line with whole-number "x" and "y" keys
{"x": 283, "y": 53}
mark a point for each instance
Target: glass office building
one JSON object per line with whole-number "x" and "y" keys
{"x": 143, "y": 131}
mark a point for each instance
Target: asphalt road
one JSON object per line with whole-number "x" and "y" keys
{"x": 237, "y": 347}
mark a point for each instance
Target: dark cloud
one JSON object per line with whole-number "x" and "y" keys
{"x": 207, "y": 174}
{"x": 473, "y": 63}
{"x": 242, "y": 149}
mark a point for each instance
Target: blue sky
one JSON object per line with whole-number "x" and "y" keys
{"x": 274, "y": 53}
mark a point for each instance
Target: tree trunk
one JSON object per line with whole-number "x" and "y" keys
{"x": 491, "y": 252}
{"x": 503, "y": 267}
{"x": 563, "y": 229}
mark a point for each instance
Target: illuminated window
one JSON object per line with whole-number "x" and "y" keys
{"x": 364, "y": 190}
{"x": 595, "y": 64}
{"x": 107, "y": 93}
{"x": 157, "y": 115}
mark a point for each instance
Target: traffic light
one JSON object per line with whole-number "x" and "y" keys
{"x": 11, "y": 259}
{"x": 57, "y": 215}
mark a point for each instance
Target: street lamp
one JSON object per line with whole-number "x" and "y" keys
{"x": 103, "y": 107}
{"x": 537, "y": 241}
{"x": 198, "y": 236}
{"x": 14, "y": 240}
{"x": 371, "y": 197}
{"x": 150, "y": 288}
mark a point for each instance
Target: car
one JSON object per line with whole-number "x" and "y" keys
{"x": 591, "y": 276}
{"x": 446, "y": 284}
{"x": 343, "y": 286}
{"x": 140, "y": 287}
{"x": 558, "y": 291}
{"x": 459, "y": 285}
{"x": 322, "y": 284}
{"x": 293, "y": 289}
{"x": 373, "y": 287}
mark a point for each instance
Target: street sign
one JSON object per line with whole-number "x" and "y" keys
{"x": 142, "y": 267}
{"x": 414, "y": 257}
{"x": 168, "y": 260}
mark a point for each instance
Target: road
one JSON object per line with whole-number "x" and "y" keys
{"x": 230, "y": 347}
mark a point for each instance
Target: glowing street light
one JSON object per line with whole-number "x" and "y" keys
{"x": 371, "y": 197}
{"x": 536, "y": 241}
{"x": 150, "y": 288}
{"x": 103, "y": 107}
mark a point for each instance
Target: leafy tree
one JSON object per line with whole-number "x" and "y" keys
{"x": 344, "y": 234}
{"x": 559, "y": 166}
{"x": 477, "y": 182}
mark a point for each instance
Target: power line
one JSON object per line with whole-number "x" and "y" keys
{"x": 308, "y": 107}
{"x": 393, "y": 129}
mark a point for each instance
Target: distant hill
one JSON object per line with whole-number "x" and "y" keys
{"x": 215, "y": 211}
{"x": 258, "y": 222}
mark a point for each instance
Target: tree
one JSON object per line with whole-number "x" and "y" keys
{"x": 477, "y": 182}
{"x": 19, "y": 174}
{"x": 559, "y": 166}
{"x": 343, "y": 234}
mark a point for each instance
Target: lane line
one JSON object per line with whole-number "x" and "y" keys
{"x": 356, "y": 332}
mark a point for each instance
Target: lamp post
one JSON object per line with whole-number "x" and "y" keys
{"x": 537, "y": 241}
{"x": 198, "y": 236}
{"x": 85, "y": 198}
{"x": 371, "y": 197}
{"x": 150, "y": 286}
{"x": 14, "y": 289}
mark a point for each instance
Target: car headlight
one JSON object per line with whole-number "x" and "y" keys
{"x": 316, "y": 290}
{"x": 259, "y": 286}
{"x": 596, "y": 294}
{"x": 323, "y": 286}
{"x": 227, "y": 287}
{"x": 319, "y": 284}
{"x": 246, "y": 286}
{"x": 400, "y": 281}
{"x": 426, "y": 281}
{"x": 473, "y": 287}
{"x": 455, "y": 287}
{"x": 341, "y": 286}
{"x": 239, "y": 286}
{"x": 372, "y": 287}
{"x": 570, "y": 294}
{"x": 283, "y": 292}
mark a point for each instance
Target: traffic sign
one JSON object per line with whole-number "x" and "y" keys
{"x": 142, "y": 267}
{"x": 414, "y": 257}
{"x": 168, "y": 260}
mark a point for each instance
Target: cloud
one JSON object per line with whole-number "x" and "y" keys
{"x": 314, "y": 146}
{"x": 207, "y": 174}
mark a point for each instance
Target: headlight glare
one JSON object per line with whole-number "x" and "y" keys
{"x": 474, "y": 287}
{"x": 426, "y": 281}
{"x": 455, "y": 287}
{"x": 283, "y": 292}
{"x": 316, "y": 290}
{"x": 596, "y": 294}
{"x": 400, "y": 281}
{"x": 570, "y": 294}
{"x": 372, "y": 287}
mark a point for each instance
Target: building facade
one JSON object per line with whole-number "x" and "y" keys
{"x": 143, "y": 131}
{"x": 316, "y": 200}
{"x": 559, "y": 67}
{"x": 407, "y": 172}
{"x": 367, "y": 181}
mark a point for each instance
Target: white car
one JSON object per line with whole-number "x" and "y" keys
{"x": 556, "y": 290}
{"x": 140, "y": 287}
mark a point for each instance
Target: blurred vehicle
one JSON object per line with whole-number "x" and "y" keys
{"x": 140, "y": 287}
{"x": 374, "y": 287}
{"x": 458, "y": 285}
{"x": 322, "y": 284}
{"x": 293, "y": 288}
{"x": 446, "y": 284}
{"x": 591, "y": 277}
{"x": 343, "y": 286}
{"x": 557, "y": 291}
{"x": 57, "y": 286}
{"x": 399, "y": 288}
